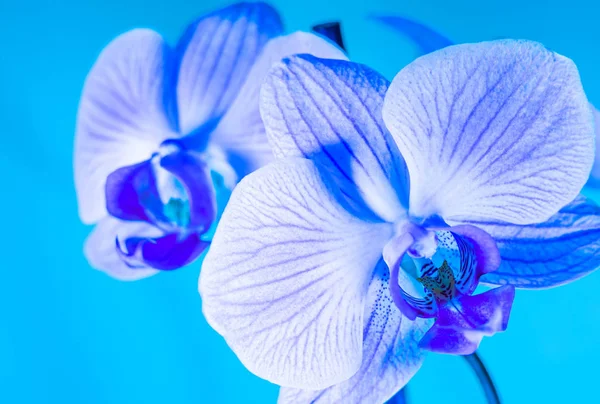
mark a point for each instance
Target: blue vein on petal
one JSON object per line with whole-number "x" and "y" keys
{"x": 326, "y": 118}
{"x": 352, "y": 121}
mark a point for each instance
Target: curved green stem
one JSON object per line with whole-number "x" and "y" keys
{"x": 491, "y": 394}
{"x": 475, "y": 362}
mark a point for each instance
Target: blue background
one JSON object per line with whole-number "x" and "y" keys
{"x": 70, "y": 334}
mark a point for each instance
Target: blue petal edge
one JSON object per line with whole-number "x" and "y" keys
{"x": 548, "y": 254}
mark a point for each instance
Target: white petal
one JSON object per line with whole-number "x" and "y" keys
{"x": 287, "y": 274}
{"x": 391, "y": 355}
{"x": 496, "y": 130}
{"x": 121, "y": 120}
{"x": 329, "y": 111}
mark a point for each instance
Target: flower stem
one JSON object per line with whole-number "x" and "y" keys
{"x": 331, "y": 30}
{"x": 480, "y": 370}
{"x": 478, "y": 367}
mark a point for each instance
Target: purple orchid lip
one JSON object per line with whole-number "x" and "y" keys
{"x": 166, "y": 253}
{"x": 133, "y": 193}
{"x": 461, "y": 325}
{"x": 194, "y": 175}
{"x": 461, "y": 319}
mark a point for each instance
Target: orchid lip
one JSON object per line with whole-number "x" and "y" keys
{"x": 172, "y": 191}
{"x": 429, "y": 269}
{"x": 435, "y": 277}
{"x": 175, "y": 211}
{"x": 175, "y": 193}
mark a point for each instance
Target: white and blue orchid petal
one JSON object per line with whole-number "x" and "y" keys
{"x": 391, "y": 355}
{"x": 330, "y": 112}
{"x": 594, "y": 180}
{"x": 427, "y": 39}
{"x": 214, "y": 57}
{"x": 102, "y": 254}
{"x": 498, "y": 130}
{"x": 287, "y": 274}
{"x": 166, "y": 253}
{"x": 241, "y": 132}
{"x": 548, "y": 254}
{"x": 121, "y": 119}
{"x": 462, "y": 324}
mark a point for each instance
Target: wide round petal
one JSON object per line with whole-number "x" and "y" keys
{"x": 595, "y": 174}
{"x": 330, "y": 112}
{"x": 549, "y": 254}
{"x": 215, "y": 55}
{"x": 286, "y": 277}
{"x": 101, "y": 251}
{"x": 121, "y": 119}
{"x": 497, "y": 130}
{"x": 391, "y": 355}
{"x": 241, "y": 132}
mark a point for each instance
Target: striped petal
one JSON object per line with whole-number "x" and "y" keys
{"x": 330, "y": 112}
{"x": 497, "y": 130}
{"x": 286, "y": 277}
{"x": 390, "y": 353}
{"x": 215, "y": 55}
{"x": 241, "y": 133}
{"x": 549, "y": 254}
{"x": 121, "y": 120}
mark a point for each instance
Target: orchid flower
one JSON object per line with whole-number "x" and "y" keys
{"x": 159, "y": 128}
{"x": 337, "y": 266}
{"x": 429, "y": 40}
